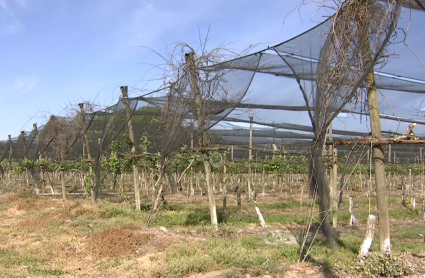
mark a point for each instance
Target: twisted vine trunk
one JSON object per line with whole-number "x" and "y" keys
{"x": 319, "y": 184}
{"x": 199, "y": 107}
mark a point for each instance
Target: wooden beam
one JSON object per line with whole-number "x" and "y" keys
{"x": 204, "y": 150}
{"x": 364, "y": 141}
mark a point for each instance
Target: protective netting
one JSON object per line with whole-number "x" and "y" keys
{"x": 265, "y": 85}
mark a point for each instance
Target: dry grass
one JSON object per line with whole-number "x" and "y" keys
{"x": 47, "y": 237}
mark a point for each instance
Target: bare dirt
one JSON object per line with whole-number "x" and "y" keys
{"x": 95, "y": 251}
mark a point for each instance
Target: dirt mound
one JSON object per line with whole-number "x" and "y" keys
{"x": 30, "y": 204}
{"x": 119, "y": 241}
{"x": 306, "y": 270}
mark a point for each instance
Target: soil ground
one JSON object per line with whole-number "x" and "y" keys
{"x": 46, "y": 237}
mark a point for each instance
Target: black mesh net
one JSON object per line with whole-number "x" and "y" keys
{"x": 265, "y": 85}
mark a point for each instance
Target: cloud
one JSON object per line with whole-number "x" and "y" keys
{"x": 10, "y": 28}
{"x": 24, "y": 85}
{"x": 9, "y": 23}
{"x": 3, "y": 4}
{"x": 22, "y": 3}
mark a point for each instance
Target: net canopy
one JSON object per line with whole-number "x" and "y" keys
{"x": 280, "y": 87}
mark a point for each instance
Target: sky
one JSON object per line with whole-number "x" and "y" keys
{"x": 57, "y": 53}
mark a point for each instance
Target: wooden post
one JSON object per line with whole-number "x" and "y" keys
{"x": 124, "y": 92}
{"x": 238, "y": 198}
{"x": 224, "y": 187}
{"x": 352, "y": 217}
{"x": 403, "y": 198}
{"x": 10, "y": 149}
{"x": 409, "y": 187}
{"x": 370, "y": 230}
{"x": 24, "y": 147}
{"x": 250, "y": 159}
{"x": 260, "y": 216}
{"x": 191, "y": 136}
{"x": 86, "y": 143}
{"x": 231, "y": 153}
{"x": 333, "y": 180}
{"x": 37, "y": 140}
{"x": 39, "y": 155}
{"x": 334, "y": 188}
{"x": 423, "y": 209}
{"x": 274, "y": 142}
{"x": 389, "y": 154}
{"x": 378, "y": 154}
{"x": 250, "y": 137}
{"x": 86, "y": 147}
{"x": 62, "y": 177}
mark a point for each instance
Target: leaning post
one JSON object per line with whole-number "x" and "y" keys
{"x": 124, "y": 92}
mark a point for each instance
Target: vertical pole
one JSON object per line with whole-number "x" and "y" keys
{"x": 420, "y": 154}
{"x": 224, "y": 186}
{"x": 10, "y": 149}
{"x": 250, "y": 158}
{"x": 334, "y": 186}
{"x": 86, "y": 144}
{"x": 84, "y": 150}
{"x": 37, "y": 141}
{"x": 378, "y": 154}
{"x": 274, "y": 141}
{"x": 389, "y": 154}
{"x": 231, "y": 153}
{"x": 124, "y": 92}
{"x": 24, "y": 147}
{"x": 191, "y": 136}
{"x": 367, "y": 243}
{"x": 250, "y": 137}
{"x": 86, "y": 147}
{"x": 333, "y": 177}
{"x": 352, "y": 217}
{"x": 62, "y": 177}
{"x": 39, "y": 155}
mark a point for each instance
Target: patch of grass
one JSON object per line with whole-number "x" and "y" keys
{"x": 403, "y": 213}
{"x": 252, "y": 242}
{"x": 4, "y": 206}
{"x": 178, "y": 208}
{"x": 293, "y": 204}
{"x": 9, "y": 258}
{"x": 365, "y": 202}
{"x": 232, "y": 253}
{"x": 285, "y": 218}
{"x": 45, "y": 271}
{"x": 180, "y": 266}
{"x": 376, "y": 264}
{"x": 290, "y": 253}
{"x": 110, "y": 211}
{"x": 169, "y": 220}
{"x": 9, "y": 275}
{"x": 351, "y": 241}
{"x": 108, "y": 264}
{"x": 241, "y": 220}
{"x": 243, "y": 252}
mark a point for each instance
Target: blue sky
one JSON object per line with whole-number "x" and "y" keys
{"x": 58, "y": 52}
